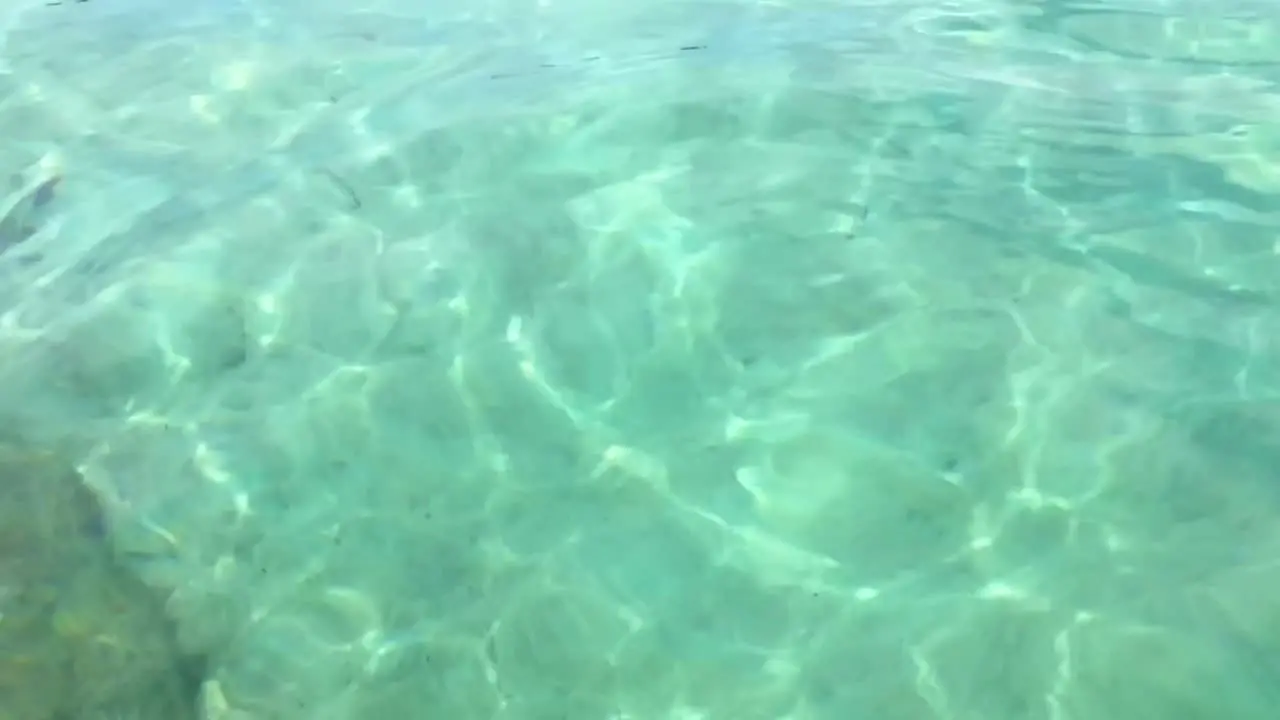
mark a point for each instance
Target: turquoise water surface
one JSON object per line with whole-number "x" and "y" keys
{"x": 788, "y": 360}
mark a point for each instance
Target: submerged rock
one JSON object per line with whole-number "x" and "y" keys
{"x": 80, "y": 637}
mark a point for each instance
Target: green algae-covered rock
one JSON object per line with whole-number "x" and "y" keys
{"x": 80, "y": 637}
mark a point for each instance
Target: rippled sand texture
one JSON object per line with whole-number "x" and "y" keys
{"x": 827, "y": 368}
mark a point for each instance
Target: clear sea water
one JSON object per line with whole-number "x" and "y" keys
{"x": 774, "y": 360}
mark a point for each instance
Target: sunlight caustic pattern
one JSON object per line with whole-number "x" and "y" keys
{"x": 792, "y": 403}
